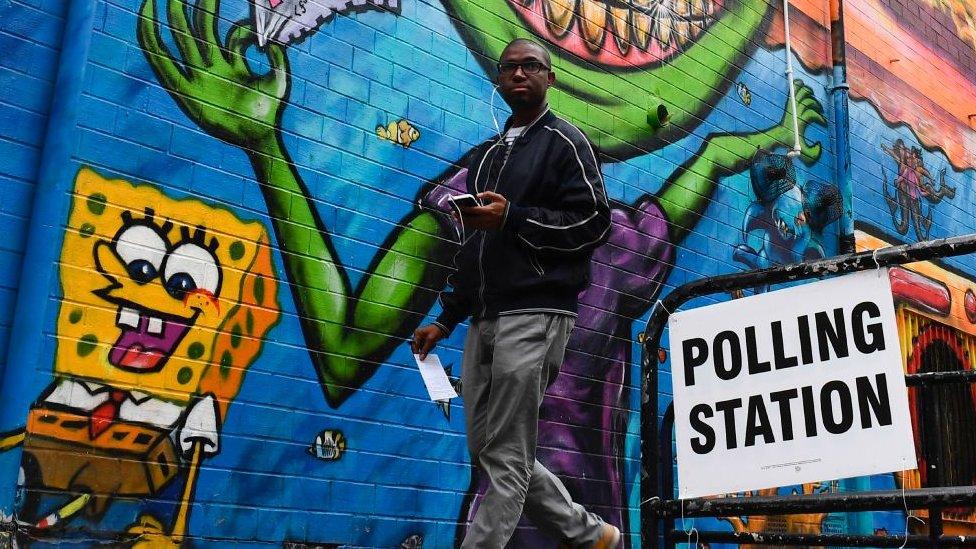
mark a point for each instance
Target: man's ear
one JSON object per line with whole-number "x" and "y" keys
{"x": 552, "y": 77}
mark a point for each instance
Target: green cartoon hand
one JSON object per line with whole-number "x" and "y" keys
{"x": 809, "y": 111}
{"x": 213, "y": 83}
{"x": 688, "y": 191}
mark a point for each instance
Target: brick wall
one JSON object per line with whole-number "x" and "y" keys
{"x": 31, "y": 40}
{"x": 305, "y": 200}
{"x": 911, "y": 72}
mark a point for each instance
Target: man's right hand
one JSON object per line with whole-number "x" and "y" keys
{"x": 425, "y": 338}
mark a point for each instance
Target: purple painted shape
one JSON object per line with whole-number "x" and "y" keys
{"x": 583, "y": 420}
{"x": 137, "y": 349}
{"x": 436, "y": 197}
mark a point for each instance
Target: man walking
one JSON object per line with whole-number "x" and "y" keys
{"x": 524, "y": 260}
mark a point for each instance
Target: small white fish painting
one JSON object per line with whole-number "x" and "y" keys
{"x": 415, "y": 541}
{"x": 329, "y": 445}
{"x": 744, "y": 94}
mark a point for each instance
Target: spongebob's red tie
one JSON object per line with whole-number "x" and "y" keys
{"x": 105, "y": 413}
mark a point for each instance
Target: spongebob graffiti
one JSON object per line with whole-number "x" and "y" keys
{"x": 165, "y": 306}
{"x": 912, "y": 183}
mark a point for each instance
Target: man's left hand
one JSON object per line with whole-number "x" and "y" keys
{"x": 488, "y": 217}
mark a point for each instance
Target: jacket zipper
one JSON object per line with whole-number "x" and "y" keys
{"x": 481, "y": 249}
{"x": 484, "y": 235}
{"x": 481, "y": 271}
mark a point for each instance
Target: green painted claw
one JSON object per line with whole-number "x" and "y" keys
{"x": 688, "y": 191}
{"x": 212, "y": 82}
{"x": 809, "y": 111}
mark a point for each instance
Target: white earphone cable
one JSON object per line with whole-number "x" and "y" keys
{"x": 491, "y": 108}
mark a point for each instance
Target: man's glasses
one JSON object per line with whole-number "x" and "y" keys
{"x": 528, "y": 67}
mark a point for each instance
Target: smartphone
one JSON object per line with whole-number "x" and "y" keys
{"x": 464, "y": 201}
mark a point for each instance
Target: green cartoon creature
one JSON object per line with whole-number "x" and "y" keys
{"x": 609, "y": 79}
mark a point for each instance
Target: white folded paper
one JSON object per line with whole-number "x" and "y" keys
{"x": 435, "y": 378}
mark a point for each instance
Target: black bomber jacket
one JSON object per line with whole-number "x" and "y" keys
{"x": 557, "y": 214}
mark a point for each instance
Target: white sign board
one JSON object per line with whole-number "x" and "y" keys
{"x": 798, "y": 385}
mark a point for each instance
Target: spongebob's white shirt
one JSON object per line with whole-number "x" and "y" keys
{"x": 199, "y": 425}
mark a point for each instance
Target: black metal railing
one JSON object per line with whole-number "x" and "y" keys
{"x": 657, "y": 486}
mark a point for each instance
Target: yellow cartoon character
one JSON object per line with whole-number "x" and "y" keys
{"x": 166, "y": 304}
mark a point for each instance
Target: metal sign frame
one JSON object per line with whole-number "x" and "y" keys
{"x": 657, "y": 506}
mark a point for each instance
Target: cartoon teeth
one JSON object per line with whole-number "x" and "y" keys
{"x": 128, "y": 317}
{"x": 559, "y": 15}
{"x": 288, "y": 21}
{"x": 645, "y": 24}
{"x": 593, "y": 21}
{"x": 620, "y": 21}
{"x": 155, "y": 325}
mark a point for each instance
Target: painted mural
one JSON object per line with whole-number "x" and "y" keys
{"x": 577, "y": 430}
{"x": 936, "y": 314}
{"x": 918, "y": 179}
{"x": 622, "y": 78}
{"x": 786, "y": 222}
{"x": 166, "y": 303}
{"x": 295, "y": 231}
{"x": 910, "y": 188}
{"x": 804, "y": 523}
{"x": 917, "y": 73}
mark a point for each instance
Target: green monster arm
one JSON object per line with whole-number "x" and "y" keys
{"x": 350, "y": 337}
{"x": 687, "y": 192}
{"x": 349, "y": 333}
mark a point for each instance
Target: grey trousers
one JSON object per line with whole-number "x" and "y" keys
{"x": 508, "y": 363}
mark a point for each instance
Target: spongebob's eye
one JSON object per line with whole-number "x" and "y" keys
{"x": 190, "y": 267}
{"x": 142, "y": 250}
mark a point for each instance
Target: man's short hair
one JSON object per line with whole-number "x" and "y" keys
{"x": 530, "y": 42}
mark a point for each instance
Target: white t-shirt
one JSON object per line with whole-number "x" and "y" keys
{"x": 512, "y": 134}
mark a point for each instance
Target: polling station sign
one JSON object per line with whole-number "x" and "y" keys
{"x": 798, "y": 385}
